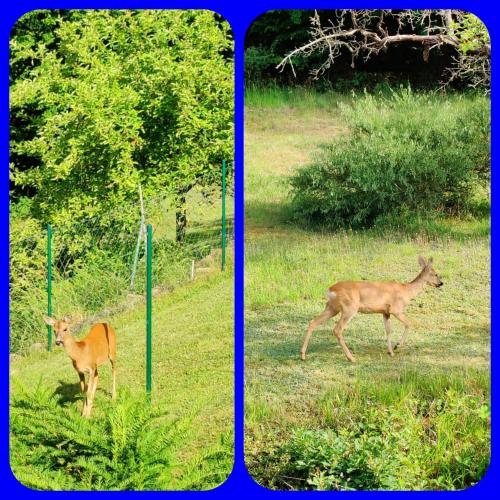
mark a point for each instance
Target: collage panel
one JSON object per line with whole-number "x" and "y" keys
{"x": 367, "y": 250}
{"x": 353, "y": 350}
{"x": 121, "y": 250}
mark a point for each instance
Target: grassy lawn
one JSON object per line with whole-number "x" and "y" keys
{"x": 287, "y": 271}
{"x": 192, "y": 390}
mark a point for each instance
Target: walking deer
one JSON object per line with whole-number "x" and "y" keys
{"x": 382, "y": 297}
{"x": 87, "y": 354}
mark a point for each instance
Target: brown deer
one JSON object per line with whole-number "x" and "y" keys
{"x": 382, "y": 297}
{"x": 87, "y": 354}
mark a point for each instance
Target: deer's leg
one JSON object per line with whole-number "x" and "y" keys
{"x": 88, "y": 395}
{"x": 313, "y": 324}
{"x": 82, "y": 382}
{"x": 401, "y": 317}
{"x": 339, "y": 328}
{"x": 388, "y": 330}
{"x": 92, "y": 389}
{"x": 113, "y": 370}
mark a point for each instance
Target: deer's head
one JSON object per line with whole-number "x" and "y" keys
{"x": 429, "y": 275}
{"x": 61, "y": 328}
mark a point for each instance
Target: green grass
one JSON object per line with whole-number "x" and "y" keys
{"x": 287, "y": 270}
{"x": 300, "y": 98}
{"x": 192, "y": 402}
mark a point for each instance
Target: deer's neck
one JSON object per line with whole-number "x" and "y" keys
{"x": 71, "y": 347}
{"x": 416, "y": 286}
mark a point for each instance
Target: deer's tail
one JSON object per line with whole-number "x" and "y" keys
{"x": 330, "y": 294}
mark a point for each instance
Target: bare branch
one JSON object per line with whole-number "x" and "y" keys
{"x": 364, "y": 33}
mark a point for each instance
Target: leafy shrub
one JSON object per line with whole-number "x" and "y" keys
{"x": 405, "y": 438}
{"x": 28, "y": 249}
{"x": 406, "y": 151}
{"x": 90, "y": 122}
{"x": 28, "y": 258}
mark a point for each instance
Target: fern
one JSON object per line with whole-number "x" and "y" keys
{"x": 130, "y": 446}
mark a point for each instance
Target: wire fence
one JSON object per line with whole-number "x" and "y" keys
{"x": 98, "y": 263}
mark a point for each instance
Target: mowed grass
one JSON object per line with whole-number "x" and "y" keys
{"x": 192, "y": 380}
{"x": 287, "y": 271}
{"x": 281, "y": 131}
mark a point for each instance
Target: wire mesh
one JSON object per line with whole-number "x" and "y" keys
{"x": 99, "y": 260}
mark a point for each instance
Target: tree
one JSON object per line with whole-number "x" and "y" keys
{"x": 105, "y": 99}
{"x": 366, "y": 33}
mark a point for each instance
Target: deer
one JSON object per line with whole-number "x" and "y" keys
{"x": 87, "y": 355}
{"x": 388, "y": 298}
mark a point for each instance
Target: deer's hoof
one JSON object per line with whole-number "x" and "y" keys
{"x": 391, "y": 354}
{"x": 303, "y": 356}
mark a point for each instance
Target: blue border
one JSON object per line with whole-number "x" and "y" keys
{"x": 240, "y": 16}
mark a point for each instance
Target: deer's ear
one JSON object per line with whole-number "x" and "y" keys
{"x": 49, "y": 321}
{"x": 421, "y": 261}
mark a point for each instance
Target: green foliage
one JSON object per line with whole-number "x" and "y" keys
{"x": 471, "y": 34}
{"x": 28, "y": 263}
{"x": 129, "y": 446}
{"x": 28, "y": 248}
{"x": 105, "y": 99}
{"x": 388, "y": 438}
{"x": 271, "y": 36}
{"x": 406, "y": 151}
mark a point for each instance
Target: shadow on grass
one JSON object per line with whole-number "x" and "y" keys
{"x": 266, "y": 213}
{"x": 432, "y": 228}
{"x": 392, "y": 226}
{"x": 68, "y": 393}
{"x": 270, "y": 340}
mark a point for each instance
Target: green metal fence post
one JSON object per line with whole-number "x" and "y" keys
{"x": 149, "y": 296}
{"x": 223, "y": 223}
{"x": 49, "y": 285}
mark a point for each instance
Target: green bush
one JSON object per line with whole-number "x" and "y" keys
{"x": 405, "y": 152}
{"x": 413, "y": 443}
{"x": 28, "y": 258}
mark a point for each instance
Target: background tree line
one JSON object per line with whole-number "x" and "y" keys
{"x": 279, "y": 33}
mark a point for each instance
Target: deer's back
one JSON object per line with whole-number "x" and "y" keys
{"x": 100, "y": 342}
{"x": 368, "y": 296}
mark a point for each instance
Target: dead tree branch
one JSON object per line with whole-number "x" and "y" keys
{"x": 365, "y": 33}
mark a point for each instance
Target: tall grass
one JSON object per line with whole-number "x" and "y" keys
{"x": 275, "y": 97}
{"x": 418, "y": 435}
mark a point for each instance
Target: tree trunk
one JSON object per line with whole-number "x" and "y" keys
{"x": 180, "y": 219}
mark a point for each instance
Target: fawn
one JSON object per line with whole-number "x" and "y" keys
{"x": 87, "y": 354}
{"x": 383, "y": 297}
